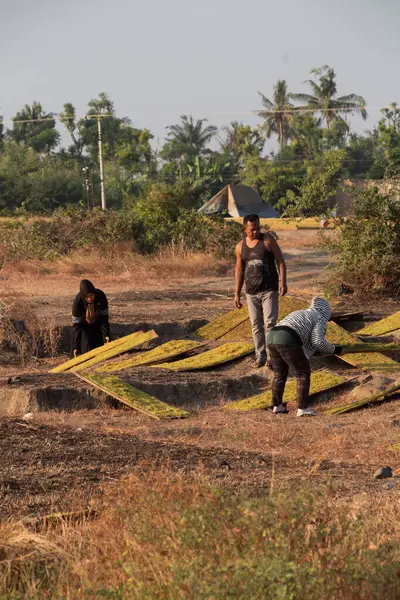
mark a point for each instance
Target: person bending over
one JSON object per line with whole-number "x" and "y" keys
{"x": 291, "y": 343}
{"x": 90, "y": 321}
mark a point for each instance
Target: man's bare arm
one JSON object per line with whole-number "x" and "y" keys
{"x": 273, "y": 246}
{"x": 239, "y": 275}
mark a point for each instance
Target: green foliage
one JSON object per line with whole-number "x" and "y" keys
{"x": 163, "y": 216}
{"x": 277, "y": 113}
{"x": 160, "y": 218}
{"x": 1, "y": 133}
{"x": 63, "y": 233}
{"x": 366, "y": 247}
{"x": 241, "y": 142}
{"x": 34, "y": 184}
{"x": 303, "y": 172}
{"x": 123, "y": 144}
{"x": 363, "y": 157}
{"x": 389, "y": 140}
{"x": 324, "y": 100}
{"x": 273, "y": 178}
{"x": 306, "y": 135}
{"x": 68, "y": 118}
{"x": 187, "y": 139}
{"x": 319, "y": 186}
{"x": 41, "y": 136}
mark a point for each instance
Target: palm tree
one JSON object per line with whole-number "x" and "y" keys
{"x": 277, "y": 113}
{"x": 190, "y": 137}
{"x": 241, "y": 141}
{"x": 324, "y": 98}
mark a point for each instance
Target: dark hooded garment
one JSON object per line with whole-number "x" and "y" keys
{"x": 90, "y": 327}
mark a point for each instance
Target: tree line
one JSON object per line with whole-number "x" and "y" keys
{"x": 316, "y": 147}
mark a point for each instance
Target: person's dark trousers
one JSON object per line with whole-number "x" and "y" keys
{"x": 281, "y": 359}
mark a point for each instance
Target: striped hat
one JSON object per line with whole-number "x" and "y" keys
{"x": 322, "y": 306}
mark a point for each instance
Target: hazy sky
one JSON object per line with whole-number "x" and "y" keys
{"x": 158, "y": 59}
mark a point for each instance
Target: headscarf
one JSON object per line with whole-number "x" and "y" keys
{"x": 322, "y": 306}
{"x": 87, "y": 287}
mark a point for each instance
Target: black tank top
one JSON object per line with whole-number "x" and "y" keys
{"x": 260, "y": 273}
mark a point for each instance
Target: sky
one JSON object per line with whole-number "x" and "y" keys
{"x": 159, "y": 59}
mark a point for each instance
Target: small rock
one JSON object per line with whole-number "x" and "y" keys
{"x": 390, "y": 485}
{"x": 364, "y": 390}
{"x": 225, "y": 465}
{"x": 221, "y": 463}
{"x": 383, "y": 473}
{"x": 366, "y": 379}
{"x": 28, "y": 417}
{"x": 14, "y": 380}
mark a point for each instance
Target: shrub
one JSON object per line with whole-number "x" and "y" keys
{"x": 160, "y": 218}
{"x": 61, "y": 234}
{"x": 23, "y": 332}
{"x": 318, "y": 187}
{"x": 367, "y": 246}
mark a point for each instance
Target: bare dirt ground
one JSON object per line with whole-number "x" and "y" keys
{"x": 61, "y": 459}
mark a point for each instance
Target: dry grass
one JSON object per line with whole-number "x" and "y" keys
{"x": 118, "y": 266}
{"x": 165, "y": 537}
{"x": 29, "y": 336}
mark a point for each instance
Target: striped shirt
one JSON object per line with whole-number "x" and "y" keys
{"x": 310, "y": 326}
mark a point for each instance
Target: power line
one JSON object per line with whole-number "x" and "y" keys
{"x": 294, "y": 111}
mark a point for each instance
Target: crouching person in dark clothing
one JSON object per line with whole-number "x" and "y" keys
{"x": 290, "y": 345}
{"x": 90, "y": 322}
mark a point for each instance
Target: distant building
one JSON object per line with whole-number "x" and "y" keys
{"x": 238, "y": 201}
{"x": 344, "y": 197}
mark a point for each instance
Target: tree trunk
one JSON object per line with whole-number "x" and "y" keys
{"x": 281, "y": 140}
{"x": 328, "y": 121}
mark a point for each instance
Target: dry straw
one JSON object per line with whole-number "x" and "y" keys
{"x": 375, "y": 398}
{"x": 235, "y": 325}
{"x": 141, "y": 338}
{"x": 211, "y": 358}
{"x": 131, "y": 396}
{"x": 352, "y": 348}
{"x": 373, "y": 362}
{"x": 320, "y": 381}
{"x": 66, "y": 366}
{"x": 382, "y": 327}
{"x": 161, "y": 353}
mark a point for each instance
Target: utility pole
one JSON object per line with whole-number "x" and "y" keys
{"x": 99, "y": 118}
{"x": 87, "y": 184}
{"x": 102, "y": 190}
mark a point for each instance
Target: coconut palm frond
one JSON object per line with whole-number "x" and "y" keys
{"x": 265, "y": 101}
{"x": 311, "y": 101}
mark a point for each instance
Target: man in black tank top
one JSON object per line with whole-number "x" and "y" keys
{"x": 257, "y": 258}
